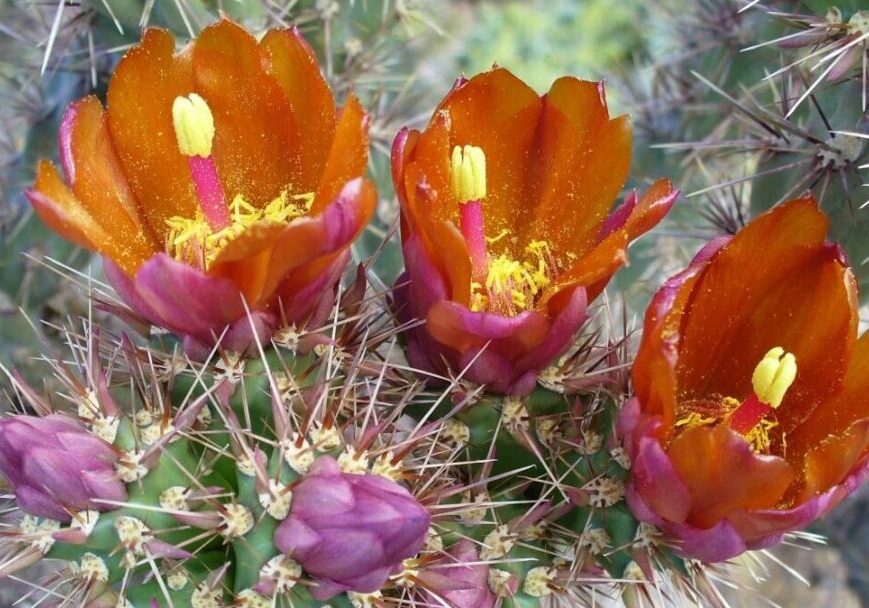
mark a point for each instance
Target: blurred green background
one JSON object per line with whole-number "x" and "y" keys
{"x": 713, "y": 98}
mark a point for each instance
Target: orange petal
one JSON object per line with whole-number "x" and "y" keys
{"x": 429, "y": 153}
{"x": 448, "y": 239}
{"x": 258, "y": 270}
{"x": 821, "y": 301}
{"x": 97, "y": 180}
{"x": 774, "y": 284}
{"x": 348, "y": 155}
{"x": 256, "y": 141}
{"x": 441, "y": 238}
{"x": 291, "y": 62}
{"x": 141, "y": 91}
{"x": 305, "y": 241}
{"x": 723, "y": 474}
{"x": 421, "y": 175}
{"x": 596, "y": 265}
{"x": 654, "y": 370}
{"x": 833, "y": 458}
{"x": 499, "y": 113}
{"x": 651, "y": 208}
{"x": 824, "y": 430}
{"x": 59, "y": 208}
{"x": 580, "y": 166}
{"x": 245, "y": 260}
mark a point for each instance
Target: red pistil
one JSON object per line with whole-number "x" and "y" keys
{"x": 209, "y": 191}
{"x": 471, "y": 220}
{"x": 749, "y": 413}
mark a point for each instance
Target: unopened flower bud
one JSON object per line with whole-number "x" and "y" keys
{"x": 350, "y": 532}
{"x": 56, "y": 467}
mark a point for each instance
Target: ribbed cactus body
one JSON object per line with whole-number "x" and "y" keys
{"x": 207, "y": 484}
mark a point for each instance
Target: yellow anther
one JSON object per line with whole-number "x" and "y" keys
{"x": 694, "y": 419}
{"x": 512, "y": 286}
{"x": 192, "y": 239}
{"x": 194, "y": 125}
{"x": 758, "y": 436}
{"x": 468, "y": 173}
{"x": 491, "y": 240}
{"x": 774, "y": 375}
{"x": 538, "y": 247}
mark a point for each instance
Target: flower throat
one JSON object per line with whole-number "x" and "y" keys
{"x": 499, "y": 283}
{"x": 199, "y": 240}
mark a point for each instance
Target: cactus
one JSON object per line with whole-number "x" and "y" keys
{"x": 750, "y": 106}
{"x": 442, "y": 493}
{"x": 214, "y": 456}
{"x": 757, "y": 105}
{"x": 53, "y": 66}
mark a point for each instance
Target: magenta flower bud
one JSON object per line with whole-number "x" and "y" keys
{"x": 350, "y": 532}
{"x": 56, "y": 467}
{"x": 458, "y": 579}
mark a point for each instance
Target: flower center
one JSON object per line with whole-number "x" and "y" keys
{"x": 499, "y": 283}
{"x": 200, "y": 239}
{"x": 770, "y": 381}
{"x": 511, "y": 286}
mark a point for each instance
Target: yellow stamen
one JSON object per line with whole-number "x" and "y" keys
{"x": 512, "y": 286}
{"x": 774, "y": 375}
{"x": 694, "y": 419}
{"x": 193, "y": 240}
{"x": 468, "y": 173}
{"x": 194, "y": 125}
{"x": 758, "y": 437}
{"x": 494, "y": 239}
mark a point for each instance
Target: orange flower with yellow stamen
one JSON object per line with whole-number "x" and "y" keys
{"x": 750, "y": 417}
{"x": 506, "y": 226}
{"x": 217, "y": 176}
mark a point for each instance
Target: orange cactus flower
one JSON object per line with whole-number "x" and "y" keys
{"x": 506, "y": 225}
{"x": 750, "y": 416}
{"x": 218, "y": 175}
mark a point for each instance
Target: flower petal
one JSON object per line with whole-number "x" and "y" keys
{"x": 59, "y": 208}
{"x": 348, "y": 155}
{"x": 95, "y": 176}
{"x": 307, "y": 295}
{"x": 460, "y": 328}
{"x": 833, "y": 458}
{"x": 836, "y": 416}
{"x": 637, "y": 217}
{"x": 139, "y": 105}
{"x": 442, "y": 240}
{"x": 581, "y": 165}
{"x": 775, "y": 284}
{"x": 717, "y": 543}
{"x": 595, "y": 267}
{"x": 497, "y": 112}
{"x": 654, "y": 370}
{"x": 658, "y": 482}
{"x": 171, "y": 294}
{"x": 291, "y": 62}
{"x": 281, "y": 249}
{"x": 722, "y": 473}
{"x": 256, "y": 140}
